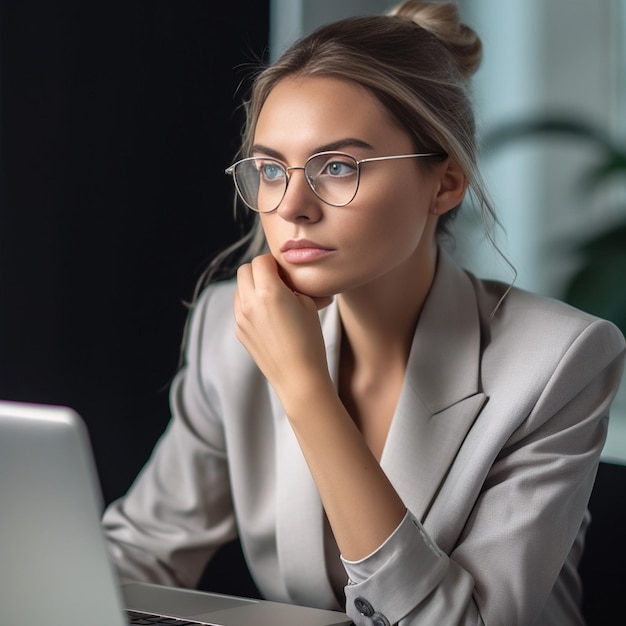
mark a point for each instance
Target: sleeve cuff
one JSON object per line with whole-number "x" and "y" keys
{"x": 399, "y": 574}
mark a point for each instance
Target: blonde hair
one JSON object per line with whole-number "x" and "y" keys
{"x": 417, "y": 60}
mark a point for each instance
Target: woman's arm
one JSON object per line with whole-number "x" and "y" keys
{"x": 282, "y": 332}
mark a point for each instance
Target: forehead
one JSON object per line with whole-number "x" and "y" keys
{"x": 308, "y": 112}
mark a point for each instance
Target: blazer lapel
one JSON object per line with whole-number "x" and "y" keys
{"x": 440, "y": 398}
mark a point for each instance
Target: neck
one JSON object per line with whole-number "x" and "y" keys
{"x": 379, "y": 319}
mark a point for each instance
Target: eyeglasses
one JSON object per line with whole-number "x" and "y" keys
{"x": 261, "y": 182}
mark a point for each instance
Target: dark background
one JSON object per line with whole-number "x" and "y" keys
{"x": 117, "y": 124}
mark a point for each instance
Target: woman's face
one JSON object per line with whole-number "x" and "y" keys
{"x": 387, "y": 232}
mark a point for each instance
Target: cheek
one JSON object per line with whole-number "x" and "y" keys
{"x": 269, "y": 229}
{"x": 396, "y": 220}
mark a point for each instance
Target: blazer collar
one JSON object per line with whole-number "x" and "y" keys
{"x": 438, "y": 404}
{"x": 444, "y": 361}
{"x": 441, "y": 396}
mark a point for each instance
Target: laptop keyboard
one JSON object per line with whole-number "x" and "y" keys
{"x": 136, "y": 618}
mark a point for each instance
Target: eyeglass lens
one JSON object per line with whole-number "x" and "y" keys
{"x": 262, "y": 182}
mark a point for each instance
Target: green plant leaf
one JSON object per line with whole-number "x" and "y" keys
{"x": 509, "y": 132}
{"x": 614, "y": 164}
{"x": 613, "y": 159}
{"x": 599, "y": 287}
{"x": 606, "y": 243}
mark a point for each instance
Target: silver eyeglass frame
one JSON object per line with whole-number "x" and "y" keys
{"x": 231, "y": 171}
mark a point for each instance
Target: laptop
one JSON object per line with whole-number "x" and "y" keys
{"x": 54, "y": 563}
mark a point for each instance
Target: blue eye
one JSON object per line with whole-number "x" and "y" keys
{"x": 271, "y": 171}
{"x": 339, "y": 168}
{"x": 333, "y": 166}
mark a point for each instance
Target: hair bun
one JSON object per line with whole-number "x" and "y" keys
{"x": 443, "y": 21}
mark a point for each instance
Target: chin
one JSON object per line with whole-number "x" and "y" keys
{"x": 313, "y": 291}
{"x": 308, "y": 283}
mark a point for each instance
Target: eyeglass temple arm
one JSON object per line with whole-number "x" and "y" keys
{"x": 403, "y": 156}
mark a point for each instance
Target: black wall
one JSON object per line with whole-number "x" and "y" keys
{"x": 117, "y": 124}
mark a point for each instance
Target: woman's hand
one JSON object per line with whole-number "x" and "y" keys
{"x": 280, "y": 328}
{"x": 282, "y": 332}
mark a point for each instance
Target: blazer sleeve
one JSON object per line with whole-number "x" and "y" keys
{"x": 510, "y": 565}
{"x": 179, "y": 509}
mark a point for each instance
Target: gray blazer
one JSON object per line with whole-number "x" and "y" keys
{"x": 493, "y": 447}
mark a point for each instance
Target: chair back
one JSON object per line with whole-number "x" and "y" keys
{"x": 603, "y": 565}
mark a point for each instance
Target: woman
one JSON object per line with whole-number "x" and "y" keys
{"x": 385, "y": 433}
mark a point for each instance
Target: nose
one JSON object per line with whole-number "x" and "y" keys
{"x": 299, "y": 202}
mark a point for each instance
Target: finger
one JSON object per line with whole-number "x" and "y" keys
{"x": 245, "y": 276}
{"x": 265, "y": 272}
{"x": 245, "y": 287}
{"x": 246, "y": 283}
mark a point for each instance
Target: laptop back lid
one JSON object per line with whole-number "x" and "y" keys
{"x": 54, "y": 563}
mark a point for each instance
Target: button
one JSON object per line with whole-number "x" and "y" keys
{"x": 378, "y": 619}
{"x": 363, "y": 607}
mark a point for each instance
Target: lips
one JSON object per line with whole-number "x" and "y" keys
{"x": 297, "y": 244}
{"x": 303, "y": 251}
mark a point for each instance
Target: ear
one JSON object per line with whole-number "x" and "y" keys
{"x": 452, "y": 187}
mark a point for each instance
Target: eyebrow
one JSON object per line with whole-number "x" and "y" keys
{"x": 329, "y": 147}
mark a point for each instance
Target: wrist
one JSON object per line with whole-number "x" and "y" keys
{"x": 308, "y": 395}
